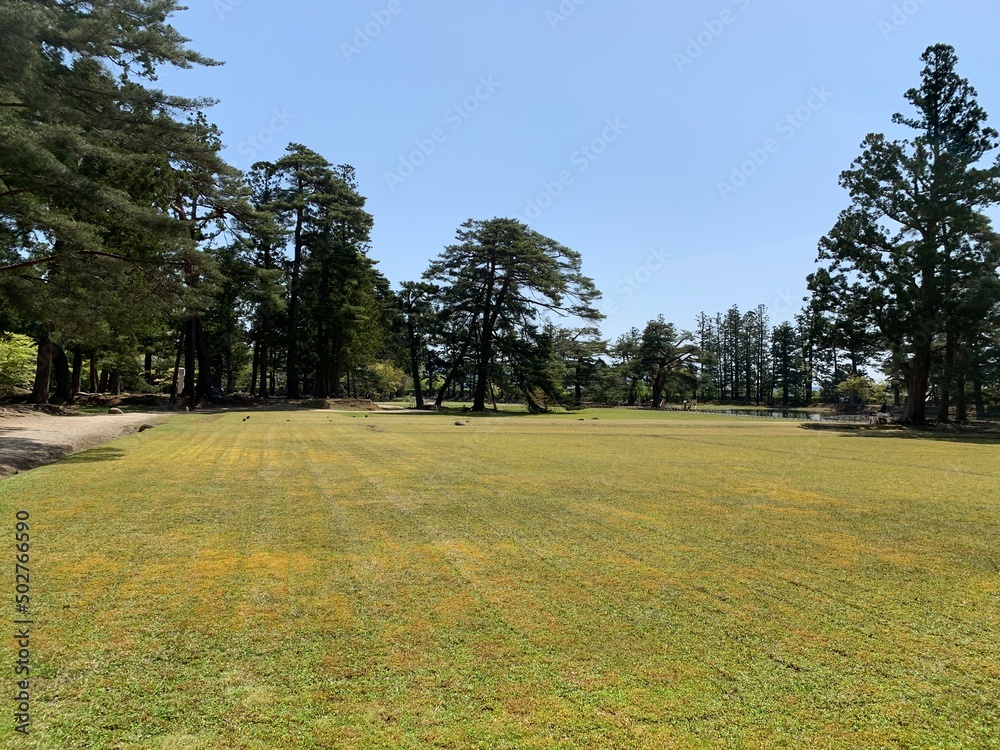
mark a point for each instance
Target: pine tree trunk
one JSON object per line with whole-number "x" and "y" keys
{"x": 177, "y": 369}
{"x": 43, "y": 371}
{"x": 63, "y": 376}
{"x": 337, "y": 374}
{"x": 977, "y": 396}
{"x": 205, "y": 373}
{"x": 414, "y": 347}
{"x": 659, "y": 382}
{"x": 918, "y": 378}
{"x": 961, "y": 401}
{"x": 94, "y": 374}
{"x": 322, "y": 380}
{"x": 77, "y": 383}
{"x": 148, "y": 368}
{"x": 253, "y": 368}
{"x": 451, "y": 375}
{"x": 292, "y": 359}
{"x": 482, "y": 371}
{"x": 264, "y": 356}
{"x": 190, "y": 389}
{"x": 947, "y": 381}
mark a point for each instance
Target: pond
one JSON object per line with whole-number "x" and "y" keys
{"x": 800, "y": 415}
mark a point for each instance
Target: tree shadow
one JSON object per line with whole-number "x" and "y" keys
{"x": 955, "y": 434}
{"x": 19, "y": 454}
{"x": 94, "y": 455}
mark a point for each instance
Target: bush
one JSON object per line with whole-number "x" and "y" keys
{"x": 859, "y": 389}
{"x": 17, "y": 362}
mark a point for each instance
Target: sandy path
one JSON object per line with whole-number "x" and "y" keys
{"x": 28, "y": 440}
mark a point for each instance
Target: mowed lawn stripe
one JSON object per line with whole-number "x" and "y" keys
{"x": 317, "y": 579}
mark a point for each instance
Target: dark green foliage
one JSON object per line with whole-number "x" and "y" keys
{"x": 914, "y": 256}
{"x": 500, "y": 279}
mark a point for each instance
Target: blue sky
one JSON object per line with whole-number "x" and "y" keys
{"x": 690, "y": 154}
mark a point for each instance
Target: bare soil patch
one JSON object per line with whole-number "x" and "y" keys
{"x": 32, "y": 437}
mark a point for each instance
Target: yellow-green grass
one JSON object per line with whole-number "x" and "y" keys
{"x": 314, "y": 580}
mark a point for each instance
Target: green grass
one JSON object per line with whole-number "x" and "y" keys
{"x": 315, "y": 580}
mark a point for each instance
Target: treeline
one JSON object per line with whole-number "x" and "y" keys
{"x": 138, "y": 259}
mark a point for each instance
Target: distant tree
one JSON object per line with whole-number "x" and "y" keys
{"x": 788, "y": 365}
{"x": 415, "y": 300}
{"x": 263, "y": 237}
{"x": 580, "y": 350}
{"x": 627, "y": 357}
{"x": 502, "y": 277}
{"x": 859, "y": 389}
{"x": 666, "y": 356}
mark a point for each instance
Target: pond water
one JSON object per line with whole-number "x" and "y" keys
{"x": 800, "y": 415}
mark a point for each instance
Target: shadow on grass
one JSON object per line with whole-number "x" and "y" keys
{"x": 95, "y": 455}
{"x": 452, "y": 412}
{"x": 977, "y": 435}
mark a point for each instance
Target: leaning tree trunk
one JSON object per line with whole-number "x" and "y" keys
{"x": 489, "y": 318}
{"x": 451, "y": 375}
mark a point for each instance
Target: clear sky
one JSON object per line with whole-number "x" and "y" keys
{"x": 689, "y": 151}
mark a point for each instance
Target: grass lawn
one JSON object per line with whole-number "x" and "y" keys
{"x": 329, "y": 580}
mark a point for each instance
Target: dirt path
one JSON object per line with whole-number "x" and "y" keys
{"x": 30, "y": 439}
